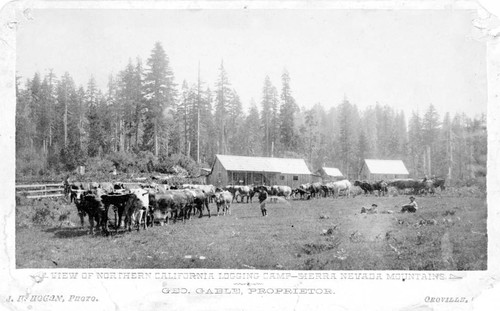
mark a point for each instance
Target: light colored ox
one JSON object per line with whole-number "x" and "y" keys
{"x": 342, "y": 185}
{"x": 223, "y": 200}
{"x": 281, "y": 191}
{"x": 137, "y": 207}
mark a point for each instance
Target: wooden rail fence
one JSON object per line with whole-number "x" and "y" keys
{"x": 41, "y": 191}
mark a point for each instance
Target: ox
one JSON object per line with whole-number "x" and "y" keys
{"x": 200, "y": 200}
{"x": 381, "y": 187}
{"x": 223, "y": 200}
{"x": 92, "y": 206}
{"x": 117, "y": 199}
{"x": 439, "y": 183}
{"x": 315, "y": 189}
{"x": 137, "y": 207}
{"x": 414, "y": 185}
{"x": 244, "y": 191}
{"x": 77, "y": 196}
{"x": 301, "y": 193}
{"x": 163, "y": 207}
{"x": 281, "y": 191}
{"x": 341, "y": 185}
{"x": 365, "y": 186}
{"x": 172, "y": 204}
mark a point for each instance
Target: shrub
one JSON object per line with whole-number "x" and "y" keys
{"x": 123, "y": 161}
{"x": 99, "y": 165}
{"x": 145, "y": 161}
{"x": 30, "y": 163}
{"x": 166, "y": 164}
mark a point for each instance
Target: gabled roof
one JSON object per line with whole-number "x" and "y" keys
{"x": 263, "y": 164}
{"x": 395, "y": 167}
{"x": 332, "y": 171}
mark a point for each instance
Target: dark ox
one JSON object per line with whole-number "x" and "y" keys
{"x": 118, "y": 201}
{"x": 172, "y": 204}
{"x": 301, "y": 193}
{"x": 92, "y": 205}
{"x": 415, "y": 186}
{"x": 200, "y": 200}
{"x": 380, "y": 186}
{"x": 365, "y": 186}
{"x": 316, "y": 189}
{"x": 439, "y": 183}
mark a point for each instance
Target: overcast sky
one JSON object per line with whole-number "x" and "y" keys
{"x": 406, "y": 59}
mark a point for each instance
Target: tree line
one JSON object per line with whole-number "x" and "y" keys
{"x": 145, "y": 121}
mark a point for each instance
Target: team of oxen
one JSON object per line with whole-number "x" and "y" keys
{"x": 140, "y": 205}
{"x": 143, "y": 204}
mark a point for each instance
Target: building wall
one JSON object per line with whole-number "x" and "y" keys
{"x": 219, "y": 174}
{"x": 292, "y": 180}
{"x": 220, "y": 177}
{"x": 249, "y": 178}
{"x": 366, "y": 175}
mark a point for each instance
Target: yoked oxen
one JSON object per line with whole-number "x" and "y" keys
{"x": 163, "y": 207}
{"x": 223, "y": 200}
{"x": 342, "y": 185}
{"x": 93, "y": 206}
{"x": 415, "y": 186}
{"x": 439, "y": 183}
{"x": 77, "y": 196}
{"x": 301, "y": 193}
{"x": 425, "y": 186}
{"x": 281, "y": 191}
{"x": 232, "y": 189}
{"x": 365, "y": 186}
{"x": 244, "y": 191}
{"x": 76, "y": 187}
{"x": 209, "y": 190}
{"x": 200, "y": 200}
{"x": 403, "y": 184}
{"x": 381, "y": 187}
{"x": 316, "y": 188}
{"x": 137, "y": 208}
{"x": 181, "y": 204}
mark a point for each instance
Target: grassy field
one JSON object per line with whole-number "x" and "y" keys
{"x": 447, "y": 233}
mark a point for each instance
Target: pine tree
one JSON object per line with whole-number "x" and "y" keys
{"x": 288, "y": 109}
{"x": 363, "y": 149}
{"x": 222, "y": 101}
{"x": 183, "y": 115}
{"x": 235, "y": 119}
{"x": 269, "y": 116}
{"x": 415, "y": 143}
{"x": 311, "y": 128}
{"x": 252, "y": 130}
{"x": 430, "y": 136}
{"x": 160, "y": 97}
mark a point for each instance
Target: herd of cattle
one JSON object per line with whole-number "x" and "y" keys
{"x": 146, "y": 204}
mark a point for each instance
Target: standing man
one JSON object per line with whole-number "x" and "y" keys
{"x": 262, "y": 201}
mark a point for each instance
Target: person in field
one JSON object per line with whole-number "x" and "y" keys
{"x": 411, "y": 207}
{"x": 262, "y": 201}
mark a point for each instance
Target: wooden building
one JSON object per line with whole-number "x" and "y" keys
{"x": 235, "y": 170}
{"x": 383, "y": 170}
{"x": 330, "y": 174}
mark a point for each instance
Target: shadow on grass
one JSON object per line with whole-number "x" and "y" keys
{"x": 250, "y": 217}
{"x": 68, "y": 233}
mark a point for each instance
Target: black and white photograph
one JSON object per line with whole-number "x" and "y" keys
{"x": 194, "y": 143}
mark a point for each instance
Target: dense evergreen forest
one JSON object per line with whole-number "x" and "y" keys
{"x": 145, "y": 121}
